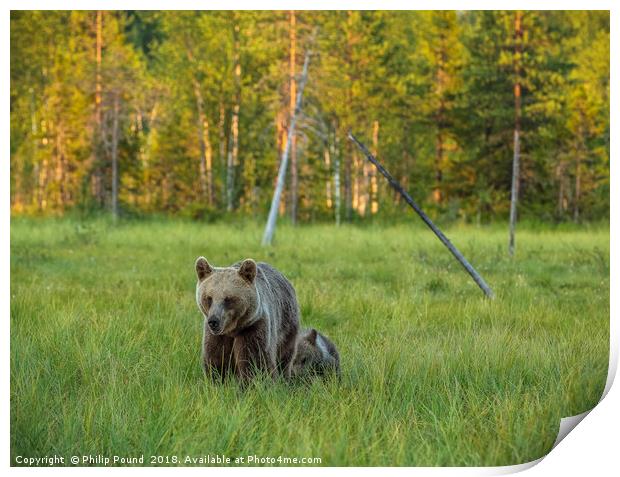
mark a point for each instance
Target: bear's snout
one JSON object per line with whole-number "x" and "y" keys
{"x": 214, "y": 324}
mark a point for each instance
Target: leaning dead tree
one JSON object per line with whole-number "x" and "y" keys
{"x": 277, "y": 193}
{"x": 394, "y": 183}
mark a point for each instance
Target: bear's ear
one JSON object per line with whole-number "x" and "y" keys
{"x": 312, "y": 336}
{"x": 247, "y": 270}
{"x": 203, "y": 269}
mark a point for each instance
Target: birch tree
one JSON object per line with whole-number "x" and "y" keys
{"x": 277, "y": 194}
{"x": 514, "y": 195}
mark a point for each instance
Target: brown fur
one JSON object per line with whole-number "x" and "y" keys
{"x": 251, "y": 318}
{"x": 315, "y": 354}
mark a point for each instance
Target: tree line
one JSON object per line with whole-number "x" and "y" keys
{"x": 188, "y": 112}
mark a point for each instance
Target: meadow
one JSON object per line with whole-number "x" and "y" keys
{"x": 105, "y": 342}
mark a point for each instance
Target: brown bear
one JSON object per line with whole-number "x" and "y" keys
{"x": 251, "y": 319}
{"x": 315, "y": 354}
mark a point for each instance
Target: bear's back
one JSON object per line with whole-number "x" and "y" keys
{"x": 278, "y": 301}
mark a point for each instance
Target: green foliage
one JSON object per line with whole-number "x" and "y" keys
{"x": 105, "y": 342}
{"x": 436, "y": 87}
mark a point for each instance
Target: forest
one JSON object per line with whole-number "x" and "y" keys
{"x": 186, "y": 113}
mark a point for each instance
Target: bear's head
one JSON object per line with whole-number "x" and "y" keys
{"x": 308, "y": 357}
{"x": 226, "y": 297}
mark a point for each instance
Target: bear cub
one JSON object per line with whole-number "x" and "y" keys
{"x": 315, "y": 355}
{"x": 251, "y": 319}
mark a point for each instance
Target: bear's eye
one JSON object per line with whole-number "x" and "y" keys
{"x": 229, "y": 301}
{"x": 208, "y": 301}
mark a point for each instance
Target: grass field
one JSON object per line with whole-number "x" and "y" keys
{"x": 105, "y": 343}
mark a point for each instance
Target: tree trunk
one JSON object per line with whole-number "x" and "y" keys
{"x": 355, "y": 202}
{"x": 348, "y": 196}
{"x": 364, "y": 187}
{"x": 208, "y": 159}
{"x": 281, "y": 144}
{"x": 230, "y": 164}
{"x": 115, "y": 157}
{"x": 60, "y": 166}
{"x": 577, "y": 187}
{"x": 233, "y": 153}
{"x": 42, "y": 178}
{"x": 34, "y": 144}
{"x": 578, "y": 159}
{"x": 222, "y": 144}
{"x": 348, "y": 179}
{"x": 202, "y": 175}
{"x": 561, "y": 205}
{"x": 374, "y": 187}
{"x": 140, "y": 198}
{"x": 328, "y": 182}
{"x": 42, "y": 185}
{"x": 292, "y": 97}
{"x": 514, "y": 195}
{"x": 336, "y": 155}
{"x": 440, "y": 119}
{"x": 275, "y": 202}
{"x": 97, "y": 172}
{"x": 43, "y": 171}
{"x": 146, "y": 171}
{"x": 437, "y": 196}
{"x": 206, "y": 153}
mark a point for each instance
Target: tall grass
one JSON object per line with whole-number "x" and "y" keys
{"x": 105, "y": 343}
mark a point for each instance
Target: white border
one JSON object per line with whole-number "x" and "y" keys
{"x": 587, "y": 450}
